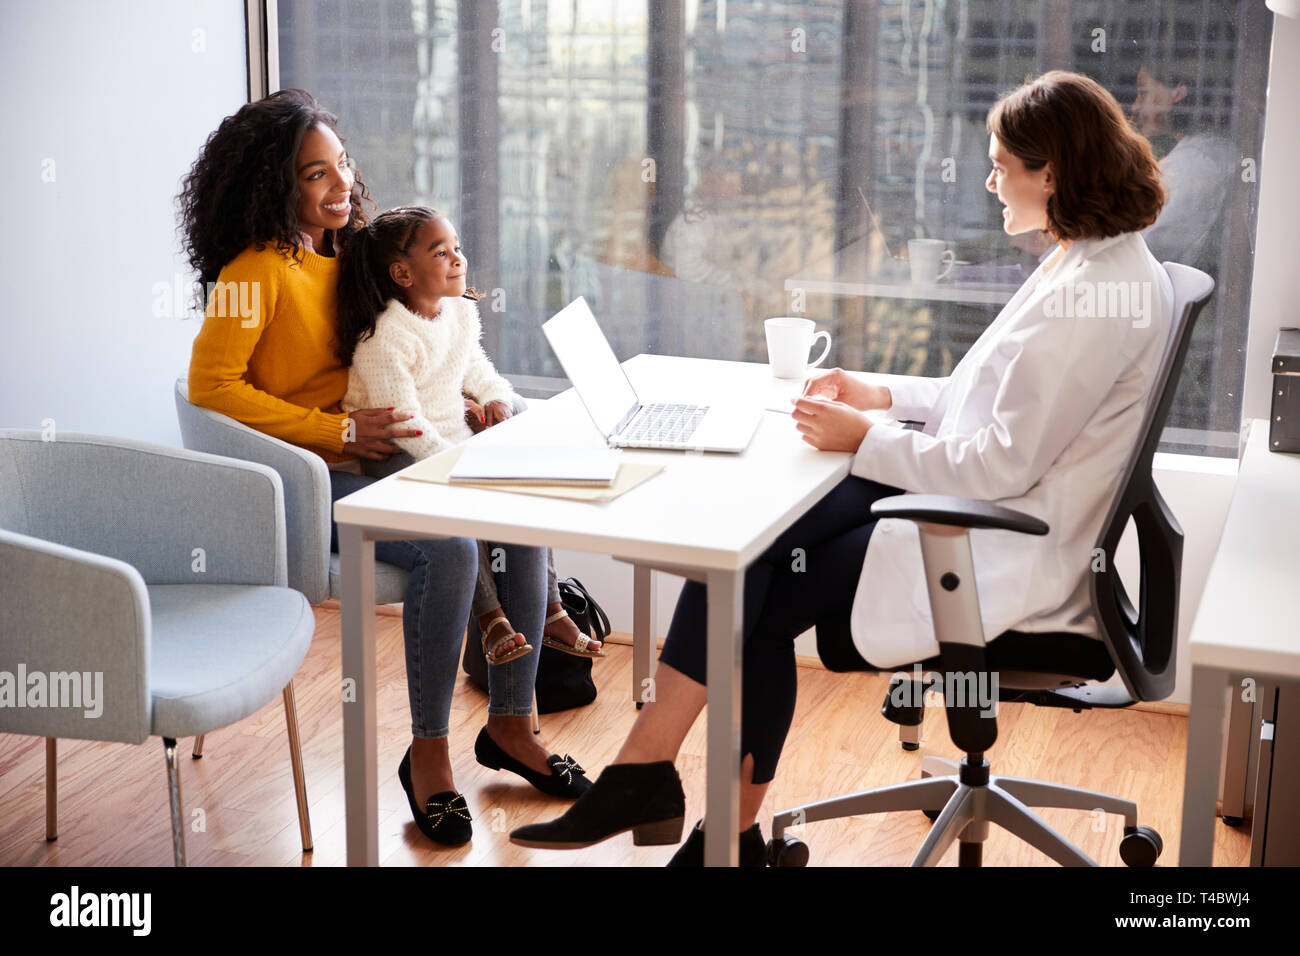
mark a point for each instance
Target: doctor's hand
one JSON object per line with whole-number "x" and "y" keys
{"x": 838, "y": 385}
{"x": 829, "y": 425}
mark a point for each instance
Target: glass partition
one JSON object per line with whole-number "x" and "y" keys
{"x": 693, "y": 167}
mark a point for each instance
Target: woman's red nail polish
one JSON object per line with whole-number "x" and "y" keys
{"x": 420, "y": 433}
{"x": 390, "y": 408}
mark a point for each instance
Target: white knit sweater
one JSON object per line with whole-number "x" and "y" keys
{"x": 422, "y": 365}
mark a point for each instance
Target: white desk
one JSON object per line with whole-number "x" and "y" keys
{"x": 707, "y": 516}
{"x": 856, "y": 270}
{"x": 1246, "y": 625}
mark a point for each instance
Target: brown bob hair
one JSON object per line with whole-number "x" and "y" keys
{"x": 1107, "y": 179}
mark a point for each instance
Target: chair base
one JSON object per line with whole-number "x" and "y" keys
{"x": 967, "y": 799}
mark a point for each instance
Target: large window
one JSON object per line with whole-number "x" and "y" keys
{"x": 695, "y": 166}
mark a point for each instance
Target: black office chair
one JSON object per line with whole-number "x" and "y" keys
{"x": 1049, "y": 670}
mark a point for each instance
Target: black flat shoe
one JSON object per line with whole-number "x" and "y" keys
{"x": 566, "y": 778}
{"x": 445, "y": 819}
{"x": 645, "y": 798}
{"x": 753, "y": 848}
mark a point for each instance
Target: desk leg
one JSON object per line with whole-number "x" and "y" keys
{"x": 643, "y": 638}
{"x": 722, "y": 816}
{"x": 360, "y": 778}
{"x": 1241, "y": 722}
{"x": 1201, "y": 780}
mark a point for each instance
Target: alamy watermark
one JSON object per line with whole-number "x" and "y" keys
{"x": 74, "y": 689}
{"x": 959, "y": 688}
{"x": 1101, "y": 300}
{"x": 234, "y": 300}
{"x": 128, "y": 910}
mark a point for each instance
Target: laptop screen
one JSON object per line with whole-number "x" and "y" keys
{"x": 590, "y": 364}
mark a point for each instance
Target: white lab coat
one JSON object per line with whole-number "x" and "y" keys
{"x": 1040, "y": 416}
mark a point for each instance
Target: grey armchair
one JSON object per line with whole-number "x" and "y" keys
{"x": 147, "y": 584}
{"x": 313, "y": 570}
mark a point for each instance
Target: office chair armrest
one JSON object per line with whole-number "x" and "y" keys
{"x": 955, "y": 609}
{"x": 957, "y": 512}
{"x": 81, "y": 622}
{"x": 303, "y": 473}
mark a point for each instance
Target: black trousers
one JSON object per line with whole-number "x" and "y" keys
{"x": 810, "y": 573}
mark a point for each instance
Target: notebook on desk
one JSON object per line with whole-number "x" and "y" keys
{"x": 532, "y": 465}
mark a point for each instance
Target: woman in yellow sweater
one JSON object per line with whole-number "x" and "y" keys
{"x": 265, "y": 210}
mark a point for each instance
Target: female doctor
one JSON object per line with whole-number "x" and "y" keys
{"x": 1040, "y": 416}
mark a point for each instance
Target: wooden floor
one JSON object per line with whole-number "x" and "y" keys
{"x": 239, "y": 799}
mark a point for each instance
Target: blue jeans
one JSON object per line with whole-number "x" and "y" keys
{"x": 443, "y": 572}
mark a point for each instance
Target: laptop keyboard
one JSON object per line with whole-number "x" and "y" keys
{"x": 665, "y": 424}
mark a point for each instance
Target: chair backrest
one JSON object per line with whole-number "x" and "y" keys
{"x": 1143, "y": 642}
{"x": 302, "y": 473}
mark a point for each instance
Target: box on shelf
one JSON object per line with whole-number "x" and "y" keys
{"x": 1284, "y": 419}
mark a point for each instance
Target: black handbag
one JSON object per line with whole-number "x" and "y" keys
{"x": 563, "y": 680}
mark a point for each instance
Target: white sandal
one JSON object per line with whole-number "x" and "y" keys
{"x": 506, "y": 658}
{"x": 579, "y": 649}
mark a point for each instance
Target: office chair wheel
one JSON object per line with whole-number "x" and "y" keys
{"x": 787, "y": 851}
{"x": 1141, "y": 846}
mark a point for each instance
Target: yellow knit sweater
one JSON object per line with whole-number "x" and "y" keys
{"x": 265, "y": 355}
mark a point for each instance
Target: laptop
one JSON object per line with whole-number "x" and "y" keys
{"x": 617, "y": 410}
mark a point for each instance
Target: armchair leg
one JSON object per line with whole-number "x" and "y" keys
{"x": 1009, "y": 813}
{"x": 1036, "y": 793}
{"x": 958, "y": 812}
{"x": 295, "y": 758}
{"x": 198, "y": 747}
{"x": 51, "y": 789}
{"x": 174, "y": 797}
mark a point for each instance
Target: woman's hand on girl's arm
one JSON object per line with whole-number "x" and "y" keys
{"x": 474, "y": 416}
{"x": 838, "y": 385}
{"x": 497, "y": 412}
{"x": 373, "y": 433}
{"x": 830, "y": 425}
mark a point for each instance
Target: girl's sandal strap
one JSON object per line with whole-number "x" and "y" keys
{"x": 508, "y": 656}
{"x": 556, "y": 616}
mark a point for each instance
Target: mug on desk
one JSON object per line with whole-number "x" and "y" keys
{"x": 927, "y": 257}
{"x": 788, "y": 342}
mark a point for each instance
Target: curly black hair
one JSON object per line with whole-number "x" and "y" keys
{"x": 243, "y": 188}
{"x": 365, "y": 285}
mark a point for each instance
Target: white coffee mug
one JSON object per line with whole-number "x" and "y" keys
{"x": 788, "y": 342}
{"x": 927, "y": 257}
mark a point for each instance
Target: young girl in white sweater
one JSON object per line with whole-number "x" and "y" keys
{"x": 409, "y": 327}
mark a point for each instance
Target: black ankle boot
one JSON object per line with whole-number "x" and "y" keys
{"x": 753, "y": 848}
{"x": 645, "y": 798}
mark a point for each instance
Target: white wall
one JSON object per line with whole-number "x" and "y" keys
{"x": 105, "y": 107}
